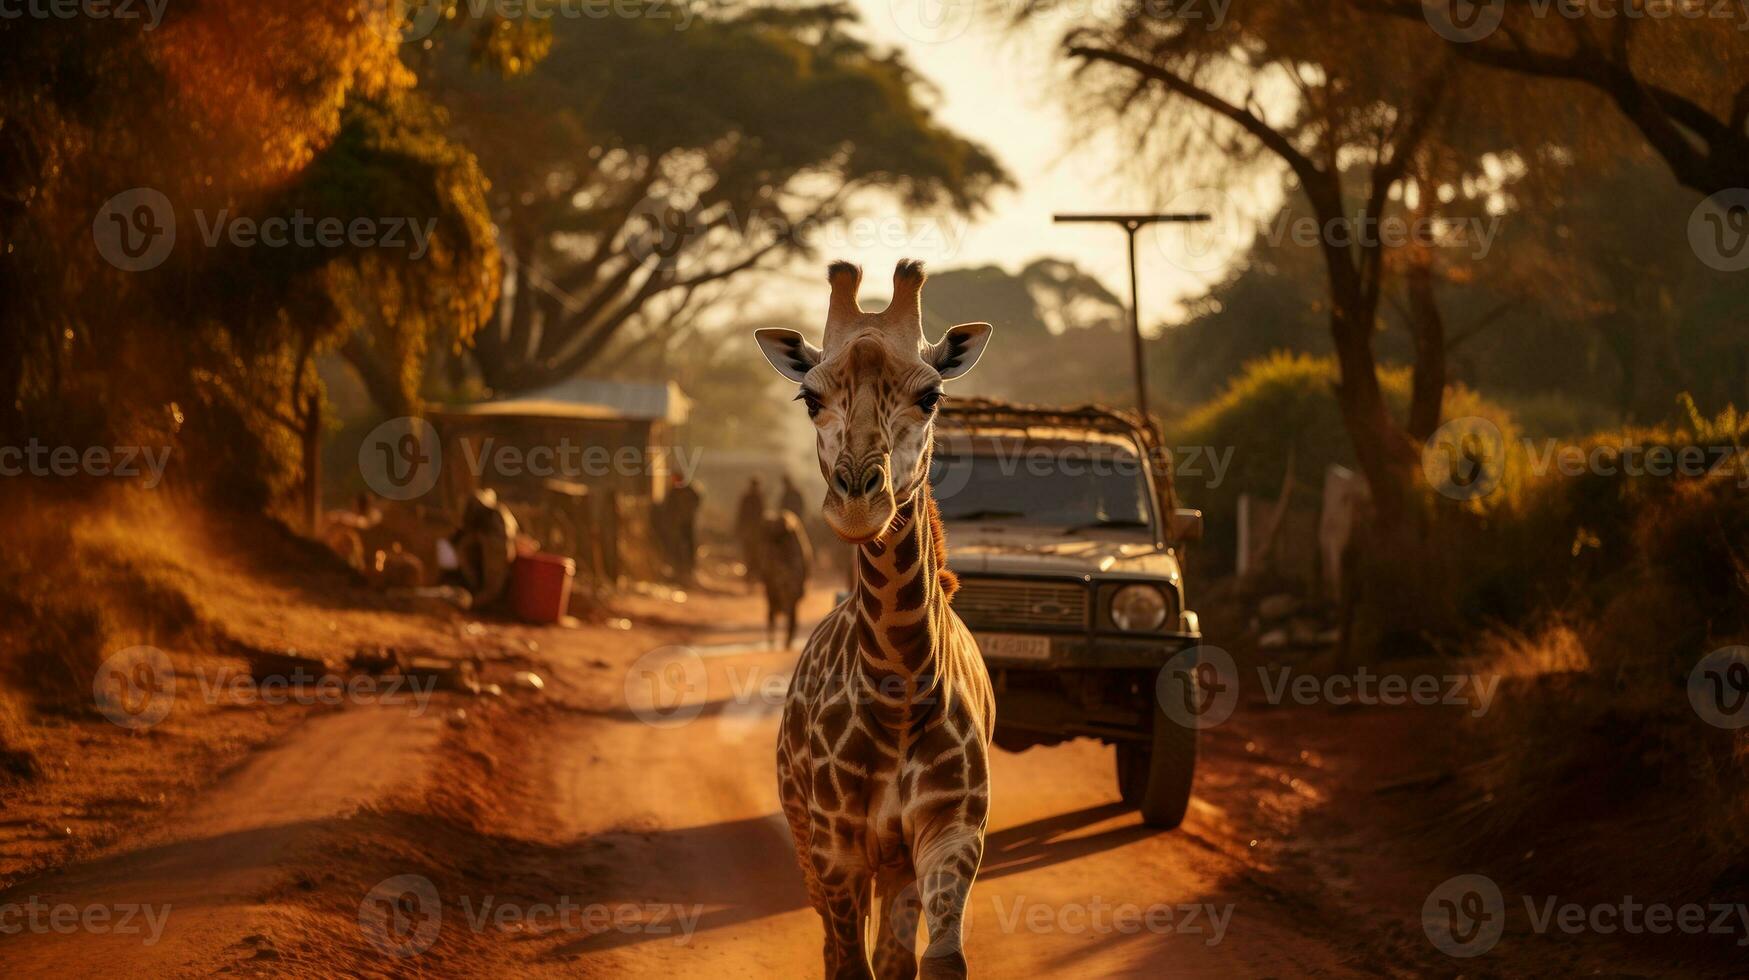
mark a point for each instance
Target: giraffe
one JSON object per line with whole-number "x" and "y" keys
{"x": 883, "y": 754}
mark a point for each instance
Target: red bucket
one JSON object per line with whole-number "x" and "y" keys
{"x": 540, "y": 586}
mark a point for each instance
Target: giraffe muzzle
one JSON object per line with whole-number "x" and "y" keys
{"x": 852, "y": 484}
{"x": 861, "y": 502}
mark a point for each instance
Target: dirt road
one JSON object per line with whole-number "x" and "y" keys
{"x": 625, "y": 823}
{"x": 1072, "y": 883}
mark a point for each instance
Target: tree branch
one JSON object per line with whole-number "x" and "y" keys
{"x": 1655, "y": 111}
{"x": 1302, "y": 165}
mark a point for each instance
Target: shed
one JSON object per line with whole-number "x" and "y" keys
{"x": 582, "y": 464}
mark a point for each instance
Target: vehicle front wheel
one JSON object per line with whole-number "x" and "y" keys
{"x": 1155, "y": 774}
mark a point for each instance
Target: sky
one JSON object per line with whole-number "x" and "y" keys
{"x": 1007, "y": 90}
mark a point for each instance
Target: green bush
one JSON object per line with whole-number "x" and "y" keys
{"x": 1284, "y": 406}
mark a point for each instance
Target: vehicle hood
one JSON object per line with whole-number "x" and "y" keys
{"x": 1021, "y": 551}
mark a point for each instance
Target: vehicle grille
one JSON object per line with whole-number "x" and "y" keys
{"x": 996, "y": 603}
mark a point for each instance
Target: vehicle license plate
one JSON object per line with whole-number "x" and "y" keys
{"x": 1014, "y": 646}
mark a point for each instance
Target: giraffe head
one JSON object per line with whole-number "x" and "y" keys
{"x": 871, "y": 390}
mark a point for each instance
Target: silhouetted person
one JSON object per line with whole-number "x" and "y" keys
{"x": 682, "y": 505}
{"x": 790, "y": 498}
{"x": 749, "y": 528}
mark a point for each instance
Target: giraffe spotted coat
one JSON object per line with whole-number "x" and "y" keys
{"x": 883, "y": 753}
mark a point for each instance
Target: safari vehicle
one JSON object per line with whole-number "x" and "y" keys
{"x": 1063, "y": 530}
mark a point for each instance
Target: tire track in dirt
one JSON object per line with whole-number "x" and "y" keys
{"x": 209, "y": 869}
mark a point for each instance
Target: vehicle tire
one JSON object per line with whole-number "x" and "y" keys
{"x": 1155, "y": 775}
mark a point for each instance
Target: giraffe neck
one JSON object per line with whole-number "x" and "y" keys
{"x": 901, "y": 597}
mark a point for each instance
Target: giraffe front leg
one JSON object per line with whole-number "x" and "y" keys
{"x": 895, "y": 944}
{"x": 946, "y": 868}
{"x": 844, "y": 912}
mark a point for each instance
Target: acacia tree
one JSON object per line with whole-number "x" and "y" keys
{"x": 635, "y": 166}
{"x": 1347, "y": 128}
{"x": 1681, "y": 81}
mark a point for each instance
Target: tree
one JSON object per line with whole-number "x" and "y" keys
{"x": 636, "y": 166}
{"x": 228, "y": 113}
{"x": 1274, "y": 299}
{"x": 1681, "y": 81}
{"x": 1585, "y": 310}
{"x": 1335, "y": 120}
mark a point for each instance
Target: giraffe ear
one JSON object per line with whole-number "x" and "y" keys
{"x": 787, "y": 351}
{"x": 960, "y": 349}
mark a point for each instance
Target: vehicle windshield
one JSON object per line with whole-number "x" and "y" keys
{"x": 1069, "y": 487}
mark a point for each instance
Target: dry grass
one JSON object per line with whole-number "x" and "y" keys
{"x": 1594, "y": 720}
{"x": 79, "y": 579}
{"x": 1554, "y": 649}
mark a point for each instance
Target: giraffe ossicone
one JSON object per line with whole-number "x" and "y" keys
{"x": 883, "y": 755}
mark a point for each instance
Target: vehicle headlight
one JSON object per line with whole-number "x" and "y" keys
{"x": 1138, "y": 608}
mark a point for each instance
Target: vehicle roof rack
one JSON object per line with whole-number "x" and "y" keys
{"x": 1099, "y": 418}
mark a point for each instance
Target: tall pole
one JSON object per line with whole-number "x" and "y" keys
{"x": 1131, "y": 224}
{"x": 1136, "y": 329}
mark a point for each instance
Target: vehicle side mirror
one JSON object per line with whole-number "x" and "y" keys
{"x": 1186, "y": 525}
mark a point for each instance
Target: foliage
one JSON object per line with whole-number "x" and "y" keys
{"x": 638, "y": 167}
{"x": 1359, "y": 137}
{"x": 1274, "y": 300}
{"x": 1279, "y": 408}
{"x": 1679, "y": 80}
{"x": 393, "y": 157}
{"x": 1604, "y": 591}
{"x": 231, "y": 111}
{"x": 1587, "y": 306}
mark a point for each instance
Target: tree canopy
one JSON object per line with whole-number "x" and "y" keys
{"x": 1353, "y": 113}
{"x": 231, "y": 119}
{"x": 637, "y": 166}
{"x": 617, "y": 161}
{"x": 1368, "y": 111}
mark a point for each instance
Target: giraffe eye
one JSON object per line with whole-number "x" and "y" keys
{"x": 810, "y": 399}
{"x": 927, "y": 402}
